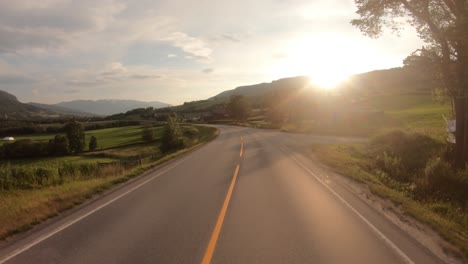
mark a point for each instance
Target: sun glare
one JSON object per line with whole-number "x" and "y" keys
{"x": 328, "y": 58}
{"x": 328, "y": 80}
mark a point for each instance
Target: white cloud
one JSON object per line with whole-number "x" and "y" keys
{"x": 198, "y": 49}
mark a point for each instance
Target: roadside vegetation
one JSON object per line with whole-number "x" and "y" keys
{"x": 408, "y": 161}
{"x": 33, "y": 189}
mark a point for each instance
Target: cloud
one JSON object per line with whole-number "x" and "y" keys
{"x": 207, "y": 70}
{"x": 31, "y": 25}
{"x": 84, "y": 83}
{"x": 230, "y": 37}
{"x": 144, "y": 77}
{"x": 113, "y": 69}
{"x": 71, "y": 91}
{"x": 196, "y": 47}
{"x": 14, "y": 79}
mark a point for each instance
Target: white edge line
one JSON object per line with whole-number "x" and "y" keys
{"x": 66, "y": 225}
{"x": 387, "y": 241}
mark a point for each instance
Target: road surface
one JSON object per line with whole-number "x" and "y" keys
{"x": 249, "y": 196}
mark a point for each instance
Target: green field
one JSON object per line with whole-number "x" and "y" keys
{"x": 107, "y": 138}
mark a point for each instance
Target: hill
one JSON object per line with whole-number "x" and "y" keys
{"x": 108, "y": 107}
{"x": 61, "y": 110}
{"x": 11, "y": 108}
{"x": 389, "y": 81}
{"x": 264, "y": 88}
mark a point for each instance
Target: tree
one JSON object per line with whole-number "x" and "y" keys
{"x": 59, "y": 146}
{"x": 172, "y": 137}
{"x": 442, "y": 24}
{"x": 239, "y": 108}
{"x": 147, "y": 134}
{"x": 93, "y": 143}
{"x": 76, "y": 136}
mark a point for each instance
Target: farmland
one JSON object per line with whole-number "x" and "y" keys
{"x": 32, "y": 190}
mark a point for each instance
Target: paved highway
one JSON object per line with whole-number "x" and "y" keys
{"x": 249, "y": 196}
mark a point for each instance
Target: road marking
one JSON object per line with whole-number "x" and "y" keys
{"x": 242, "y": 149}
{"x": 68, "y": 224}
{"x": 387, "y": 241}
{"x": 214, "y": 236}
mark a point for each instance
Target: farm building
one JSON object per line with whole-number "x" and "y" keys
{"x": 8, "y": 139}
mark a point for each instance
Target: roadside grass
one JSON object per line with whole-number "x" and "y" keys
{"x": 20, "y": 210}
{"x": 412, "y": 112}
{"x": 445, "y": 218}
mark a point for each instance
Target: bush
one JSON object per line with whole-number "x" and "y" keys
{"x": 25, "y": 148}
{"x": 440, "y": 181}
{"x": 59, "y": 146}
{"x": 172, "y": 138}
{"x": 403, "y": 153}
{"x": 191, "y": 131}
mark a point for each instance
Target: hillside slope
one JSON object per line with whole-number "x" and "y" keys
{"x": 108, "y": 107}
{"x": 61, "y": 110}
{"x": 11, "y": 108}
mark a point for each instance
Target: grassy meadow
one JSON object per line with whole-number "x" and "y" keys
{"x": 107, "y": 138}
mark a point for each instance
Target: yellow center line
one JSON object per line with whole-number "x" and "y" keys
{"x": 242, "y": 149}
{"x": 214, "y": 237}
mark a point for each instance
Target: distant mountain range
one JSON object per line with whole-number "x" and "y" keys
{"x": 108, "y": 107}
{"x": 11, "y": 108}
{"x": 61, "y": 110}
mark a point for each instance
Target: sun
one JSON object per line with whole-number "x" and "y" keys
{"x": 327, "y": 80}
{"x": 329, "y": 59}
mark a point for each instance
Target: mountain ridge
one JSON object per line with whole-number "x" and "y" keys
{"x": 107, "y": 107}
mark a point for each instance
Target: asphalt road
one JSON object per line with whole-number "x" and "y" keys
{"x": 249, "y": 196}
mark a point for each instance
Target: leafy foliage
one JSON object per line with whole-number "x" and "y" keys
{"x": 172, "y": 138}
{"x": 76, "y": 136}
{"x": 239, "y": 108}
{"x": 413, "y": 149}
{"x": 59, "y": 146}
{"x": 93, "y": 143}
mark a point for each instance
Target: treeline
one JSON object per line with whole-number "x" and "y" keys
{"x": 24, "y": 128}
{"x": 73, "y": 142}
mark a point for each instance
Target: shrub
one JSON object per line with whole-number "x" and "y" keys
{"x": 410, "y": 152}
{"x": 172, "y": 138}
{"x": 191, "y": 131}
{"x": 59, "y": 146}
{"x": 25, "y": 148}
{"x": 439, "y": 180}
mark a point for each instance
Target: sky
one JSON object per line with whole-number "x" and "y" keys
{"x": 176, "y": 51}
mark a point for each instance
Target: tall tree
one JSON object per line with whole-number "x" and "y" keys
{"x": 93, "y": 143}
{"x": 76, "y": 136}
{"x": 239, "y": 108}
{"x": 443, "y": 25}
